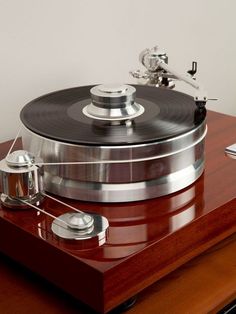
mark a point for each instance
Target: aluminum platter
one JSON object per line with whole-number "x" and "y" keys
{"x": 156, "y": 151}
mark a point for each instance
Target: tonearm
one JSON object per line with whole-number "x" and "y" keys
{"x": 159, "y": 73}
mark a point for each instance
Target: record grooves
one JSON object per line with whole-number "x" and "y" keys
{"x": 59, "y": 116}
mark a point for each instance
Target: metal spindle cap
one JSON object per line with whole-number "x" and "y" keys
{"x": 19, "y": 158}
{"x": 113, "y": 103}
{"x": 112, "y": 96}
{"x": 80, "y": 221}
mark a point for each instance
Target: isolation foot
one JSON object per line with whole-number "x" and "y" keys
{"x": 123, "y": 307}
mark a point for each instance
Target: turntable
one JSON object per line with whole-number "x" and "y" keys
{"x": 112, "y": 186}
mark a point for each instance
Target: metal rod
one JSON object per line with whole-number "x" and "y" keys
{"x": 187, "y": 79}
{"x": 63, "y": 203}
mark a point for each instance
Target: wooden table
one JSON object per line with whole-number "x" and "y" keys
{"x": 203, "y": 285}
{"x": 147, "y": 240}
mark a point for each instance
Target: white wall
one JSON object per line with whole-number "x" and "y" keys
{"x": 47, "y": 45}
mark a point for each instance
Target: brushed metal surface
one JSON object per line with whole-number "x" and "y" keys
{"x": 120, "y": 173}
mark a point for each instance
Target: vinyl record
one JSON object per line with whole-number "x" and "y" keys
{"x": 59, "y": 116}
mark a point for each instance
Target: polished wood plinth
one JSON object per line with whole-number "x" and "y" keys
{"x": 146, "y": 240}
{"x": 203, "y": 285}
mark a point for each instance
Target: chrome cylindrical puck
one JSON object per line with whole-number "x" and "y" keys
{"x": 93, "y": 225}
{"x": 20, "y": 180}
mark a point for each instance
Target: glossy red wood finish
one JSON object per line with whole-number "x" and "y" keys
{"x": 146, "y": 240}
{"x": 205, "y": 284}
